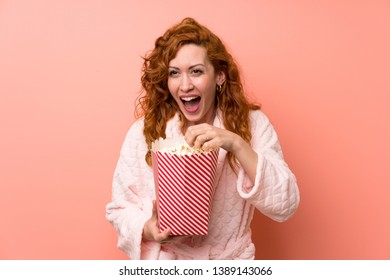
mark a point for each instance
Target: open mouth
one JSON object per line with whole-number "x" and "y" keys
{"x": 191, "y": 102}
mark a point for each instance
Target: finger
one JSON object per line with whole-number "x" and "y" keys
{"x": 154, "y": 209}
{"x": 190, "y": 137}
{"x": 200, "y": 141}
{"x": 154, "y": 214}
{"x": 193, "y": 132}
{"x": 209, "y": 145}
{"x": 163, "y": 236}
{"x": 177, "y": 237}
{"x": 173, "y": 239}
{"x": 166, "y": 233}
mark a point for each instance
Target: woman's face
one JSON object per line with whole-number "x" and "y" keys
{"x": 192, "y": 83}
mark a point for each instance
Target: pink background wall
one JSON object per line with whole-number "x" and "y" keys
{"x": 69, "y": 75}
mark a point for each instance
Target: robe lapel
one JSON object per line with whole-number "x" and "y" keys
{"x": 222, "y": 153}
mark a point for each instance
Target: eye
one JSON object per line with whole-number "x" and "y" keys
{"x": 197, "y": 71}
{"x": 173, "y": 73}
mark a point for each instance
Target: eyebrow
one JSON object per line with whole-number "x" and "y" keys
{"x": 192, "y": 66}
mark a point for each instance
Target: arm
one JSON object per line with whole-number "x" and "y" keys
{"x": 207, "y": 137}
{"x": 264, "y": 178}
{"x": 132, "y": 193}
{"x": 274, "y": 190}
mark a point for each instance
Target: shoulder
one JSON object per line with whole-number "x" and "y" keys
{"x": 135, "y": 135}
{"x": 257, "y": 118}
{"x": 136, "y": 128}
{"x": 261, "y": 126}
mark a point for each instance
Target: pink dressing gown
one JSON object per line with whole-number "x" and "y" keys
{"x": 274, "y": 193}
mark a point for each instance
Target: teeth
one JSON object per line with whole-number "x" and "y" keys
{"x": 189, "y": 98}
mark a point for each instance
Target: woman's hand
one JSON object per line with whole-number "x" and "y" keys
{"x": 151, "y": 231}
{"x": 209, "y": 137}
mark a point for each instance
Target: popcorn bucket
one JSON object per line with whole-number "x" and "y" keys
{"x": 184, "y": 180}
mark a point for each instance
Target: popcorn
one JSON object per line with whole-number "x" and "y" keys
{"x": 182, "y": 150}
{"x": 184, "y": 180}
{"x": 175, "y": 146}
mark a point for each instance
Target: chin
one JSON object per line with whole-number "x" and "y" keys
{"x": 193, "y": 119}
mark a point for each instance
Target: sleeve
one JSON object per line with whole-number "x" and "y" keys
{"x": 275, "y": 192}
{"x": 132, "y": 193}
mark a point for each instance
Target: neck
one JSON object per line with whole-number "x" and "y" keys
{"x": 186, "y": 124}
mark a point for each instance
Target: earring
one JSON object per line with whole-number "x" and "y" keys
{"x": 219, "y": 88}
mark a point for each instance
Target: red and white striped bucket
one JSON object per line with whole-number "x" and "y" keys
{"x": 184, "y": 190}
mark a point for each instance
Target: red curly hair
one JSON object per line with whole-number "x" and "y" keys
{"x": 157, "y": 105}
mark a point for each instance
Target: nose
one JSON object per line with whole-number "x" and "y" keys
{"x": 186, "y": 83}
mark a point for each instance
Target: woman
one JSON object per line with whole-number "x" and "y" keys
{"x": 192, "y": 88}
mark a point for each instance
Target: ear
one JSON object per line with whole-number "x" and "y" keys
{"x": 221, "y": 77}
